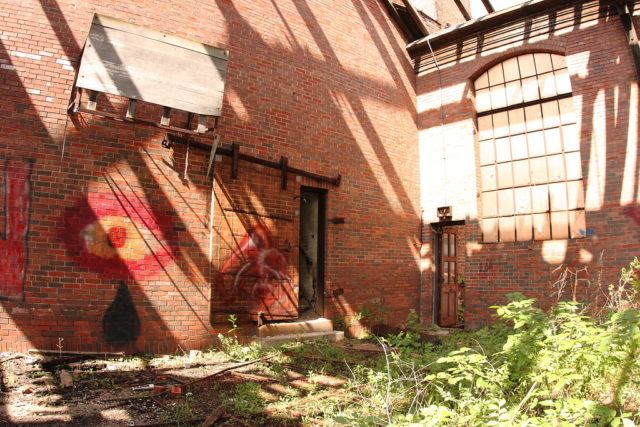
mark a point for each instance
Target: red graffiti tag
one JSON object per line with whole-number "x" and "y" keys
{"x": 632, "y": 212}
{"x": 13, "y": 244}
{"x": 120, "y": 236}
{"x": 261, "y": 273}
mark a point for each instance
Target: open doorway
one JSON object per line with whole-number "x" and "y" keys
{"x": 311, "y": 259}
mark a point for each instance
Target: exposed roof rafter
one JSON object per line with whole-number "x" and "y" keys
{"x": 391, "y": 8}
{"x": 487, "y": 22}
{"x": 463, "y": 10}
{"x": 487, "y": 5}
{"x": 416, "y": 17}
{"x": 408, "y": 19}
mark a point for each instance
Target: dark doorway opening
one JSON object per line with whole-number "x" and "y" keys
{"x": 311, "y": 259}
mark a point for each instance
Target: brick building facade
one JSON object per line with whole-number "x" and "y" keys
{"x": 584, "y": 223}
{"x": 111, "y": 239}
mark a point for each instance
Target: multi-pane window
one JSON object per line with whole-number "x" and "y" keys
{"x": 529, "y": 150}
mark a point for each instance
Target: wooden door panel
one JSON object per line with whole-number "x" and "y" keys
{"x": 447, "y": 279}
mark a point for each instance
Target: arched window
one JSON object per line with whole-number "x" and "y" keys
{"x": 529, "y": 150}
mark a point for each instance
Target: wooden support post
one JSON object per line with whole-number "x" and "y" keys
{"x": 202, "y": 123}
{"x": 463, "y": 10}
{"x": 487, "y": 5}
{"x": 625, "y": 10}
{"x": 212, "y": 155}
{"x": 93, "y": 100}
{"x": 284, "y": 162}
{"x": 74, "y": 101}
{"x": 416, "y": 17}
{"x": 166, "y": 116}
{"x": 131, "y": 108}
{"x": 235, "y": 153}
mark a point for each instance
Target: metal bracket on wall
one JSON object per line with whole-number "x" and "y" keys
{"x": 91, "y": 108}
{"x": 283, "y": 172}
{"x": 234, "y": 152}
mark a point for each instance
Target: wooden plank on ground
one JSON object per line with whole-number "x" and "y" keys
{"x": 213, "y": 417}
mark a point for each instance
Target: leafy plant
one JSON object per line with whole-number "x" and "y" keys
{"x": 233, "y": 319}
{"x": 239, "y": 352}
{"x": 555, "y": 367}
{"x": 232, "y": 347}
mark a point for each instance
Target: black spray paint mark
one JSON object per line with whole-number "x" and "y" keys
{"x": 120, "y": 322}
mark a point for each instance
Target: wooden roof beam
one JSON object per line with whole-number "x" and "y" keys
{"x": 487, "y": 22}
{"x": 416, "y": 17}
{"x": 487, "y": 5}
{"x": 463, "y": 10}
{"x": 396, "y": 17}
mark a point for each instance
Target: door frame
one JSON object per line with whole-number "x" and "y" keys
{"x": 322, "y": 230}
{"x": 437, "y": 228}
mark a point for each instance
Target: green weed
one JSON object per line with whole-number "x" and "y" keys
{"x": 556, "y": 367}
{"x": 246, "y": 399}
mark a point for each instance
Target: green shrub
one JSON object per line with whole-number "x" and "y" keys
{"x": 559, "y": 367}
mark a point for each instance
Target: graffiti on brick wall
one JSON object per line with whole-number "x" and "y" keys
{"x": 13, "y": 242}
{"x": 258, "y": 272}
{"x": 632, "y": 212}
{"x": 120, "y": 322}
{"x": 122, "y": 238}
{"x": 119, "y": 236}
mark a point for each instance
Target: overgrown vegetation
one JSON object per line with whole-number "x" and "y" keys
{"x": 560, "y": 367}
{"x": 570, "y": 365}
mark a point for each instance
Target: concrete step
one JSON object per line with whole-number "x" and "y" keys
{"x": 293, "y": 328}
{"x": 334, "y": 336}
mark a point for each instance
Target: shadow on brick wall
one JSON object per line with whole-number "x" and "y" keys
{"x": 80, "y": 286}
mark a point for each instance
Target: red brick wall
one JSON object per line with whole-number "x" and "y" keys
{"x": 605, "y": 94}
{"x": 327, "y": 84}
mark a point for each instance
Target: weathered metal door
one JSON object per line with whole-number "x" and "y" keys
{"x": 447, "y": 277}
{"x": 254, "y": 247}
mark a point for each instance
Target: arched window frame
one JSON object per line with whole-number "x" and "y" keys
{"x": 529, "y": 151}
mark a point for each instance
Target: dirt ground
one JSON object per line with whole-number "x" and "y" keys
{"x": 298, "y": 385}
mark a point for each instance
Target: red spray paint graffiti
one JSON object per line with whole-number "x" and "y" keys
{"x": 260, "y": 275}
{"x": 13, "y": 244}
{"x": 120, "y": 236}
{"x": 632, "y": 212}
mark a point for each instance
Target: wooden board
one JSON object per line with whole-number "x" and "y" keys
{"x": 144, "y": 64}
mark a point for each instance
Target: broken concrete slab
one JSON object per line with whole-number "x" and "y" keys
{"x": 291, "y": 328}
{"x": 334, "y": 336}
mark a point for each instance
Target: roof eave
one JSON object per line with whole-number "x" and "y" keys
{"x": 491, "y": 20}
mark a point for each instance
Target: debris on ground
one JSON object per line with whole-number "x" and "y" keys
{"x": 257, "y": 387}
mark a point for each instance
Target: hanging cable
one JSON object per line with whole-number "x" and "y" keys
{"x": 444, "y": 146}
